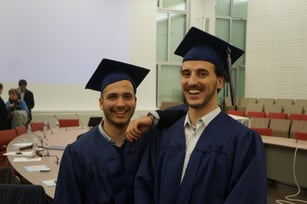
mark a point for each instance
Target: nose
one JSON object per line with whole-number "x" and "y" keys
{"x": 120, "y": 101}
{"x": 192, "y": 79}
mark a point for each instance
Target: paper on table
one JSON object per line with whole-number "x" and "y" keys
{"x": 51, "y": 182}
{"x": 27, "y": 154}
{"x": 22, "y": 144}
{"x": 26, "y": 159}
{"x": 36, "y": 168}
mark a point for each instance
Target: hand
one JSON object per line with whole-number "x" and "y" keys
{"x": 137, "y": 127}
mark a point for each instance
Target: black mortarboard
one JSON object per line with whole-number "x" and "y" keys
{"x": 110, "y": 71}
{"x": 199, "y": 45}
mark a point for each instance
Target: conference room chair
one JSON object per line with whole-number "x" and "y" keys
{"x": 277, "y": 115}
{"x": 280, "y": 127}
{"x": 6, "y": 136}
{"x": 244, "y": 101}
{"x": 294, "y": 116}
{"x": 298, "y": 126}
{"x": 264, "y": 131}
{"x": 253, "y": 107}
{"x": 256, "y": 122}
{"x": 22, "y": 194}
{"x": 301, "y": 135}
{"x": 7, "y": 175}
{"x": 165, "y": 105}
{"x": 21, "y": 130}
{"x": 284, "y": 101}
{"x": 301, "y": 102}
{"x": 236, "y": 112}
{"x": 228, "y": 103}
{"x": 68, "y": 123}
{"x": 296, "y": 109}
{"x": 266, "y": 101}
{"x": 38, "y": 126}
{"x": 256, "y": 114}
{"x": 273, "y": 108}
{"x": 93, "y": 121}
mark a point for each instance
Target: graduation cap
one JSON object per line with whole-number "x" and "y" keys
{"x": 110, "y": 71}
{"x": 199, "y": 45}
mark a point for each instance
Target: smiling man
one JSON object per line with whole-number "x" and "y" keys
{"x": 206, "y": 156}
{"x": 101, "y": 165}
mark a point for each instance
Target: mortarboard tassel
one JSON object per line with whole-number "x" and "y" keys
{"x": 232, "y": 92}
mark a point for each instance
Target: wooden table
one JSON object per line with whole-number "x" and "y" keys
{"x": 58, "y": 137}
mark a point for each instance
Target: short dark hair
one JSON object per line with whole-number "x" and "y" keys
{"x": 1, "y": 86}
{"x": 22, "y": 82}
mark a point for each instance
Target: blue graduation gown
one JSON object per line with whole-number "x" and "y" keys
{"x": 227, "y": 166}
{"x": 92, "y": 171}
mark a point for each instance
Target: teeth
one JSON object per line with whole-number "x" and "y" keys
{"x": 194, "y": 91}
{"x": 121, "y": 112}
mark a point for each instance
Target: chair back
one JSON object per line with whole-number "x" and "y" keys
{"x": 277, "y": 115}
{"x": 22, "y": 193}
{"x": 294, "y": 116}
{"x": 6, "y": 136}
{"x": 301, "y": 135}
{"x": 256, "y": 114}
{"x": 69, "y": 122}
{"x": 256, "y": 122}
{"x": 93, "y": 121}
{"x": 280, "y": 127}
{"x": 264, "y": 131}
{"x": 298, "y": 126}
{"x": 236, "y": 112}
{"x": 21, "y": 130}
{"x": 38, "y": 126}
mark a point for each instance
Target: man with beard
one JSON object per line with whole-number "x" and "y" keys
{"x": 100, "y": 166}
{"x": 206, "y": 156}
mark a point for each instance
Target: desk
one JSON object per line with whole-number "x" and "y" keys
{"x": 61, "y": 136}
{"x": 279, "y": 154}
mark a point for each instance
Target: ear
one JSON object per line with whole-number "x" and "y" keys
{"x": 220, "y": 82}
{"x": 101, "y": 102}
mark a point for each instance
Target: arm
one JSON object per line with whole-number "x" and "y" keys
{"x": 160, "y": 119}
{"x": 67, "y": 188}
{"x": 30, "y": 100}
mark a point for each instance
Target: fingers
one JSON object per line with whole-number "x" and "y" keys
{"x": 133, "y": 132}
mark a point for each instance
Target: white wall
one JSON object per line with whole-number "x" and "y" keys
{"x": 276, "y": 60}
{"x": 71, "y": 96}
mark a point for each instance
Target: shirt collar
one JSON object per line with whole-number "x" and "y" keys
{"x": 106, "y": 136}
{"x": 206, "y": 119}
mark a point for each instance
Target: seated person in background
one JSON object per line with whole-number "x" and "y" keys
{"x": 3, "y": 113}
{"x": 17, "y": 110}
{"x": 100, "y": 166}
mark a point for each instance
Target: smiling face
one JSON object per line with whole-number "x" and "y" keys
{"x": 200, "y": 84}
{"x": 118, "y": 103}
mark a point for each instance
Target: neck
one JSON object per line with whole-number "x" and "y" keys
{"x": 117, "y": 133}
{"x": 196, "y": 113}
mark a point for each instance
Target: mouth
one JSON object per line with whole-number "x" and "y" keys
{"x": 193, "y": 91}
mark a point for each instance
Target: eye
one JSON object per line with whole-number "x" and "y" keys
{"x": 128, "y": 96}
{"x": 112, "y": 97}
{"x": 185, "y": 73}
{"x": 202, "y": 73}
